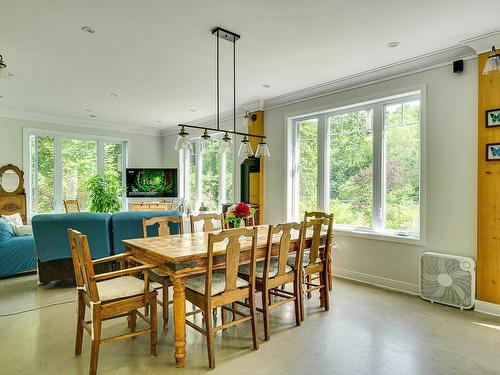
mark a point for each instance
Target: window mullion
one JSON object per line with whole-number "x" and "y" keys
{"x": 323, "y": 164}
{"x": 199, "y": 175}
{"x": 222, "y": 179}
{"x": 57, "y": 174}
{"x": 100, "y": 157}
{"x": 378, "y": 167}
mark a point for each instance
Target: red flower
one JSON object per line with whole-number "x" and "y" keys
{"x": 242, "y": 210}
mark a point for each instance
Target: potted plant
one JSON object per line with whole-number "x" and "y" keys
{"x": 105, "y": 193}
{"x": 237, "y": 212}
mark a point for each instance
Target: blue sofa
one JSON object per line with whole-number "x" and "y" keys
{"x": 17, "y": 254}
{"x": 105, "y": 233}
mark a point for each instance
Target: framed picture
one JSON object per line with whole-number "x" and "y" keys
{"x": 492, "y": 151}
{"x": 493, "y": 118}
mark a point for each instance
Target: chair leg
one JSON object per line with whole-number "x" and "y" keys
{"x": 326, "y": 292}
{"x": 253, "y": 313}
{"x": 308, "y": 280}
{"x": 223, "y": 314}
{"x": 210, "y": 338}
{"x": 302, "y": 312}
{"x": 96, "y": 339}
{"x": 265, "y": 313}
{"x": 133, "y": 321}
{"x": 165, "y": 305}
{"x": 296, "y": 292}
{"x": 154, "y": 325}
{"x": 330, "y": 275}
{"x": 79, "y": 326}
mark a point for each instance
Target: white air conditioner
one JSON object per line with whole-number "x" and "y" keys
{"x": 448, "y": 279}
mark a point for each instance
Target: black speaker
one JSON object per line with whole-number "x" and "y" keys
{"x": 458, "y": 66}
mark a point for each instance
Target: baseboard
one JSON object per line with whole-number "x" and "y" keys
{"x": 378, "y": 281}
{"x": 487, "y": 308}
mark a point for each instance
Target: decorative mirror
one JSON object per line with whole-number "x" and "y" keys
{"x": 11, "y": 180}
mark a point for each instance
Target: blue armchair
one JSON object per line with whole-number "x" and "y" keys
{"x": 17, "y": 254}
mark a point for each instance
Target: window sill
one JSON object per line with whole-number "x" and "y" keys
{"x": 380, "y": 236}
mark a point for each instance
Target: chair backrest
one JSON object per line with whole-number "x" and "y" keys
{"x": 82, "y": 263}
{"x": 316, "y": 215}
{"x": 71, "y": 206}
{"x": 284, "y": 231}
{"x": 163, "y": 224}
{"x": 232, "y": 255}
{"x": 317, "y": 226}
{"x": 208, "y": 221}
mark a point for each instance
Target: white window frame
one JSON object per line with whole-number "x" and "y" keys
{"x": 377, "y": 103}
{"x": 184, "y": 167}
{"x": 58, "y": 137}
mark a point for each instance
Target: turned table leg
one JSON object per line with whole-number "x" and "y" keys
{"x": 179, "y": 321}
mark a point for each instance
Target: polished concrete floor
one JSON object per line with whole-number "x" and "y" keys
{"x": 367, "y": 331}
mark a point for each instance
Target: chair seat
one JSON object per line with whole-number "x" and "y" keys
{"x": 259, "y": 268}
{"x": 197, "y": 283}
{"x": 120, "y": 287}
{"x": 305, "y": 260}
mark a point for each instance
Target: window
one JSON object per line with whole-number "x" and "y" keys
{"x": 60, "y": 165}
{"x": 208, "y": 176}
{"x": 361, "y": 163}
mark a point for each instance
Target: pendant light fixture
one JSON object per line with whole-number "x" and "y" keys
{"x": 227, "y": 142}
{"x": 262, "y": 149}
{"x": 492, "y": 63}
{"x": 206, "y": 141}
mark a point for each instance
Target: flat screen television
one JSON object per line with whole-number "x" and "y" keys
{"x": 151, "y": 183}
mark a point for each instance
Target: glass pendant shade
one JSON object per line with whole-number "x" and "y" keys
{"x": 227, "y": 144}
{"x": 183, "y": 142}
{"x": 262, "y": 150}
{"x": 492, "y": 63}
{"x": 206, "y": 141}
{"x": 245, "y": 148}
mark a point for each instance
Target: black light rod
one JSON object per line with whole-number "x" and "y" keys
{"x": 222, "y": 130}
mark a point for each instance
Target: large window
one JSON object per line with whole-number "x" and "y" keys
{"x": 207, "y": 177}
{"x": 60, "y": 164}
{"x": 361, "y": 163}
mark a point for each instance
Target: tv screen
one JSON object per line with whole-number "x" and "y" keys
{"x": 152, "y": 183}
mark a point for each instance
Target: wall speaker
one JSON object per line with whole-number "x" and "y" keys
{"x": 458, "y": 66}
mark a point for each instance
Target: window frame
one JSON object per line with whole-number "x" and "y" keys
{"x": 58, "y": 137}
{"x": 377, "y": 103}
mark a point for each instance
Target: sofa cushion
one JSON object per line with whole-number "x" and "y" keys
{"x": 14, "y": 219}
{"x": 6, "y": 231}
{"x": 17, "y": 254}
{"x": 128, "y": 225}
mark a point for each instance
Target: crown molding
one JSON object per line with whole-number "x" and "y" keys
{"x": 68, "y": 121}
{"x": 482, "y": 43}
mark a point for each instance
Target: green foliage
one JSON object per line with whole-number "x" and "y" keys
{"x": 104, "y": 192}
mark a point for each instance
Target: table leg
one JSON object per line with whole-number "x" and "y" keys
{"x": 179, "y": 320}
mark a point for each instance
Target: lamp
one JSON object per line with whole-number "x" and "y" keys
{"x": 492, "y": 63}
{"x": 4, "y": 73}
{"x": 227, "y": 144}
{"x": 183, "y": 142}
{"x": 262, "y": 149}
{"x": 245, "y": 148}
{"x": 205, "y": 141}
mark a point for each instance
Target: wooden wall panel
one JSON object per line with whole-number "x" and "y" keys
{"x": 488, "y": 191}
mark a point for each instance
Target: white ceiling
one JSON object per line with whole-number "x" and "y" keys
{"x": 159, "y": 56}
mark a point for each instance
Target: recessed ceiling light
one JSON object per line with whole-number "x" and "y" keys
{"x": 88, "y": 29}
{"x": 192, "y": 109}
{"x": 94, "y": 116}
{"x": 159, "y": 122}
{"x": 1, "y": 97}
{"x": 266, "y": 86}
{"x": 392, "y": 44}
{"x": 114, "y": 95}
{"x": 88, "y": 110}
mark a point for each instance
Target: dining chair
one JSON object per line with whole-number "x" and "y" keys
{"x": 315, "y": 261}
{"x": 109, "y": 295}
{"x": 71, "y": 206}
{"x": 273, "y": 272}
{"x": 223, "y": 286}
{"x": 319, "y": 215}
{"x": 157, "y": 275}
{"x": 208, "y": 221}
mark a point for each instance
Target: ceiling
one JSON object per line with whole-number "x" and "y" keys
{"x": 159, "y": 56}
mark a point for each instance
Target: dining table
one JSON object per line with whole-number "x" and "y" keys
{"x": 183, "y": 255}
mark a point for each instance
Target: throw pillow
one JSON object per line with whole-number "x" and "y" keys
{"x": 23, "y": 230}
{"x": 15, "y": 219}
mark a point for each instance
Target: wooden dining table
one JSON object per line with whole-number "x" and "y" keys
{"x": 184, "y": 255}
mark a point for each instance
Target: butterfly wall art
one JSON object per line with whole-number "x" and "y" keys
{"x": 493, "y": 118}
{"x": 492, "y": 151}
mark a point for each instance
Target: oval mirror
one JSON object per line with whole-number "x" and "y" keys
{"x": 9, "y": 181}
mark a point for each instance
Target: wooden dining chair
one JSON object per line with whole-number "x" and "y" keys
{"x": 208, "y": 221}
{"x": 157, "y": 275}
{"x": 274, "y": 272}
{"x": 222, "y": 287}
{"x": 109, "y": 295}
{"x": 71, "y": 206}
{"x": 314, "y": 262}
{"x": 320, "y": 215}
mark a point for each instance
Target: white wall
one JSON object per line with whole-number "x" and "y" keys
{"x": 143, "y": 150}
{"x": 451, "y": 160}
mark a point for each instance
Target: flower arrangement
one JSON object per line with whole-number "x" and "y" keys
{"x": 237, "y": 212}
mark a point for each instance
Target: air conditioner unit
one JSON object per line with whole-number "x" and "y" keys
{"x": 448, "y": 279}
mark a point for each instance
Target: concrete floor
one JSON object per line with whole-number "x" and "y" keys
{"x": 367, "y": 331}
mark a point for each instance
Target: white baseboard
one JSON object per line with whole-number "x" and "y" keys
{"x": 378, "y": 281}
{"x": 487, "y": 308}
